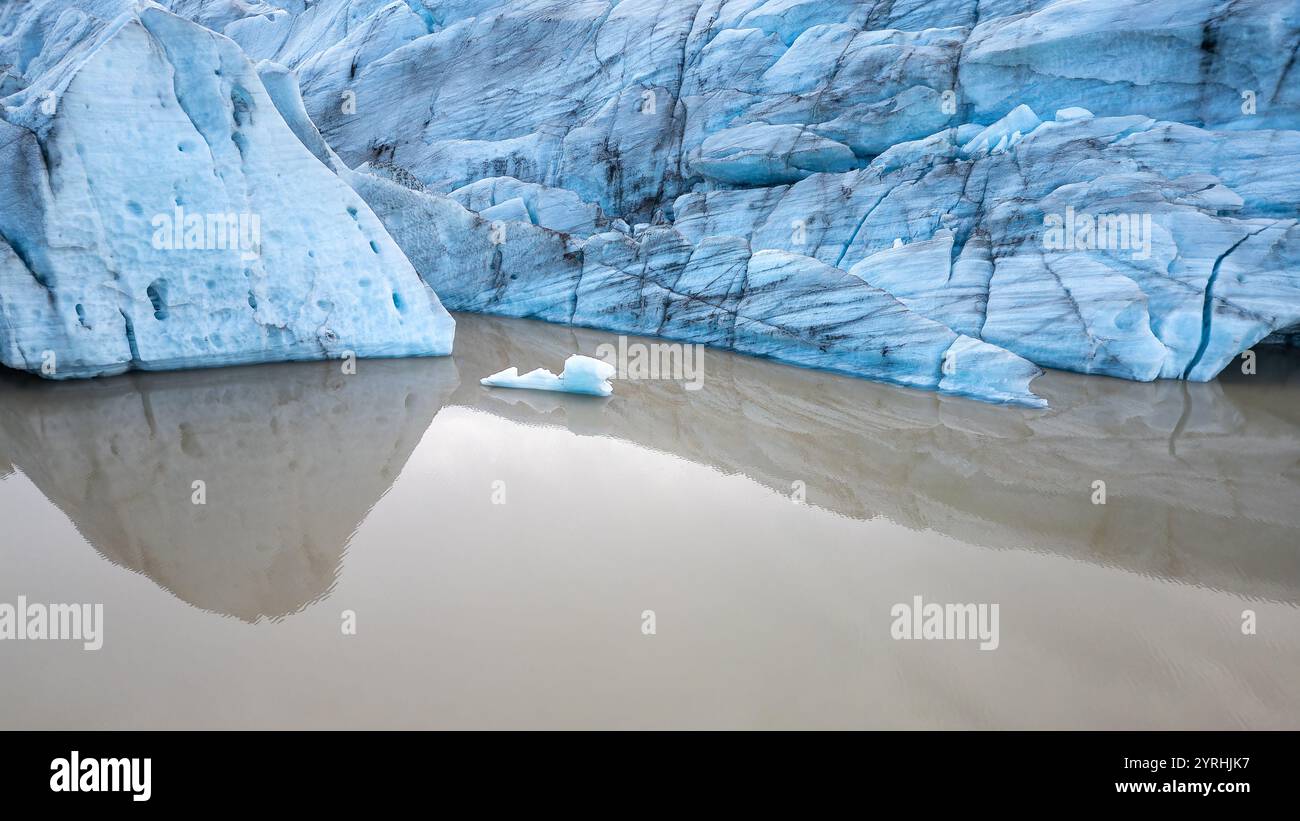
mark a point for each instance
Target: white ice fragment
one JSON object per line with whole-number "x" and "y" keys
{"x": 1000, "y": 135}
{"x": 582, "y": 374}
{"x": 1072, "y": 113}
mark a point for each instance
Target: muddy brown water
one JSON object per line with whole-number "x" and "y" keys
{"x": 498, "y": 550}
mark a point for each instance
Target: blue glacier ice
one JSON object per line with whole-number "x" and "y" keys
{"x": 554, "y": 208}
{"x": 1005, "y": 133}
{"x": 761, "y": 154}
{"x": 581, "y": 375}
{"x": 946, "y": 194}
{"x": 156, "y": 212}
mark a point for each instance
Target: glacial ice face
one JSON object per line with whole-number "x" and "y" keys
{"x": 581, "y": 375}
{"x": 527, "y": 88}
{"x": 831, "y": 129}
{"x": 985, "y": 245}
{"x": 156, "y": 212}
{"x": 1080, "y": 184}
{"x": 773, "y": 304}
{"x": 1180, "y": 60}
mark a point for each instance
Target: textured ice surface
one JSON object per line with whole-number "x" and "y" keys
{"x": 156, "y": 212}
{"x": 977, "y": 256}
{"x": 553, "y": 208}
{"x": 582, "y": 374}
{"x": 758, "y": 154}
{"x": 717, "y": 291}
{"x": 1080, "y": 184}
{"x": 1003, "y": 134}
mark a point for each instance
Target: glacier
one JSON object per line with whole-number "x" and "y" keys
{"x": 156, "y": 212}
{"x": 946, "y": 195}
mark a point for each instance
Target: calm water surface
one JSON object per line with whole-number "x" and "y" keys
{"x": 373, "y": 493}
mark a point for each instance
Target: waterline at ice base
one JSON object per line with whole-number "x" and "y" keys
{"x": 949, "y": 196}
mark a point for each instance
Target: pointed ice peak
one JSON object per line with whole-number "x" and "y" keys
{"x": 1003, "y": 134}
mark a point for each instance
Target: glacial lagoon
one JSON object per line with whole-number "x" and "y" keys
{"x": 497, "y": 550}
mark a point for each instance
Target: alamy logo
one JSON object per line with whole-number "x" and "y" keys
{"x": 53, "y": 622}
{"x": 656, "y": 360}
{"x": 77, "y": 774}
{"x": 1102, "y": 232}
{"x": 954, "y": 622}
{"x": 179, "y": 231}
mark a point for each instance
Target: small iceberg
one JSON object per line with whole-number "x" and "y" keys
{"x": 582, "y": 374}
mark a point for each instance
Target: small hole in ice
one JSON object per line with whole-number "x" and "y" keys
{"x": 157, "y": 291}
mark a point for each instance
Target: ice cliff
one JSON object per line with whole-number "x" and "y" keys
{"x": 157, "y": 212}
{"x": 939, "y": 194}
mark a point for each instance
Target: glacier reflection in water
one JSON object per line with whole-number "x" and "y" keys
{"x": 1202, "y": 483}
{"x": 291, "y": 460}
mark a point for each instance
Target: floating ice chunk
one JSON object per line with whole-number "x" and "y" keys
{"x": 582, "y": 374}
